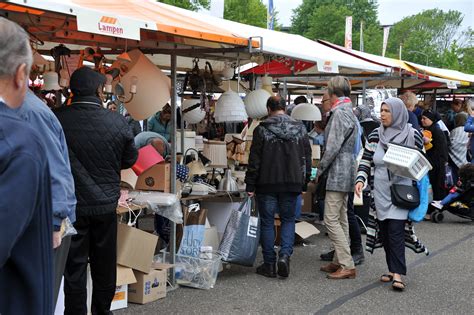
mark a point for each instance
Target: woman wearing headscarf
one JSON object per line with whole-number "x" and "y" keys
{"x": 389, "y": 226}
{"x": 437, "y": 155}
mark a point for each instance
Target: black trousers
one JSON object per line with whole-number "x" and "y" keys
{"x": 95, "y": 243}
{"x": 354, "y": 228}
{"x": 393, "y": 238}
{"x": 60, "y": 258}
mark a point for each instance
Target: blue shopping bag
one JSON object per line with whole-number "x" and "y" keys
{"x": 417, "y": 214}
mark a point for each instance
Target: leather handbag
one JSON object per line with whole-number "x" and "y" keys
{"x": 404, "y": 196}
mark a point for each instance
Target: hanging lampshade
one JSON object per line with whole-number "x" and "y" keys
{"x": 267, "y": 84}
{"x": 230, "y": 107}
{"x": 227, "y": 73}
{"x": 256, "y": 103}
{"x": 195, "y": 115}
{"x": 306, "y": 111}
{"x": 50, "y": 81}
{"x": 64, "y": 78}
{"x": 152, "y": 89}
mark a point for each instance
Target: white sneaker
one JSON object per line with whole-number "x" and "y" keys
{"x": 437, "y": 204}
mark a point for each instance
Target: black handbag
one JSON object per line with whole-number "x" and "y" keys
{"x": 404, "y": 196}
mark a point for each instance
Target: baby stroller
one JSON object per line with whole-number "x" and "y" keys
{"x": 462, "y": 206}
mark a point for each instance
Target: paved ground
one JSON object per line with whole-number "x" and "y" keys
{"x": 441, "y": 283}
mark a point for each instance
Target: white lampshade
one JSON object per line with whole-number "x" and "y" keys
{"x": 64, "y": 78}
{"x": 306, "y": 111}
{"x": 152, "y": 90}
{"x": 230, "y": 107}
{"x": 227, "y": 73}
{"x": 267, "y": 84}
{"x": 193, "y": 116}
{"x": 50, "y": 81}
{"x": 216, "y": 151}
{"x": 256, "y": 103}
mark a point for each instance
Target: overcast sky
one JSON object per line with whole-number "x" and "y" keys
{"x": 391, "y": 11}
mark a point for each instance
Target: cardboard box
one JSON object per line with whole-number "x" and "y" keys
{"x": 125, "y": 277}
{"x": 149, "y": 287}
{"x": 307, "y": 202}
{"x": 303, "y": 230}
{"x": 135, "y": 248}
{"x": 156, "y": 177}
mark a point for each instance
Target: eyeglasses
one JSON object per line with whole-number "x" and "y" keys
{"x": 325, "y": 100}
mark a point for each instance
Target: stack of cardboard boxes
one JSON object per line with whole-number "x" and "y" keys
{"x": 135, "y": 248}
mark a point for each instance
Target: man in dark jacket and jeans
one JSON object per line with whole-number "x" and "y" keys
{"x": 279, "y": 168}
{"x": 100, "y": 145}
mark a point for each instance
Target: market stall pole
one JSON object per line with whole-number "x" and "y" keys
{"x": 173, "y": 163}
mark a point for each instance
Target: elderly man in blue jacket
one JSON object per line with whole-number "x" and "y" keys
{"x": 47, "y": 126}
{"x": 26, "y": 278}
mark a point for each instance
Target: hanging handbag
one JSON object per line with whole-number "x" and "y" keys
{"x": 404, "y": 196}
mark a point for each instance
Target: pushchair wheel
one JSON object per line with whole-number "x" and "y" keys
{"x": 437, "y": 217}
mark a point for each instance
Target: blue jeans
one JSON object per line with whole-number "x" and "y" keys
{"x": 268, "y": 205}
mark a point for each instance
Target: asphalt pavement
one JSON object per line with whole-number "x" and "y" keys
{"x": 441, "y": 283}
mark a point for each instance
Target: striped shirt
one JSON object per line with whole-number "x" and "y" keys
{"x": 458, "y": 148}
{"x": 365, "y": 174}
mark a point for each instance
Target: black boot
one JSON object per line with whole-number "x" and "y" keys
{"x": 358, "y": 257}
{"x": 328, "y": 256}
{"x": 267, "y": 270}
{"x": 284, "y": 266}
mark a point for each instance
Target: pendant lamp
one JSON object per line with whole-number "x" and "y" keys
{"x": 267, "y": 84}
{"x": 153, "y": 90}
{"x": 230, "y": 108}
{"x": 256, "y": 103}
{"x": 195, "y": 115}
{"x": 50, "y": 81}
{"x": 227, "y": 73}
{"x": 306, "y": 111}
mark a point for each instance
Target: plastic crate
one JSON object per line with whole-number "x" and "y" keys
{"x": 406, "y": 162}
{"x": 197, "y": 272}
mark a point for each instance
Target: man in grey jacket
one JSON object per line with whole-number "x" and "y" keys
{"x": 339, "y": 164}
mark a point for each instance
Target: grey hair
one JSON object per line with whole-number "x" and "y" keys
{"x": 410, "y": 99}
{"x": 15, "y": 48}
{"x": 339, "y": 86}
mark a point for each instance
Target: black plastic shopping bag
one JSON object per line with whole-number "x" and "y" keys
{"x": 241, "y": 236}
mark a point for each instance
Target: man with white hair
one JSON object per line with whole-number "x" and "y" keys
{"x": 410, "y": 100}
{"x": 26, "y": 252}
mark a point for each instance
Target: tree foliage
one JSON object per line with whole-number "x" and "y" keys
{"x": 325, "y": 19}
{"x": 430, "y": 35}
{"x": 251, "y": 12}
{"x": 192, "y": 5}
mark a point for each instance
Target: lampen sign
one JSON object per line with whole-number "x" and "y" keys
{"x": 96, "y": 22}
{"x": 108, "y": 25}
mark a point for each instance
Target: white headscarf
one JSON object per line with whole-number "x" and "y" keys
{"x": 400, "y": 131}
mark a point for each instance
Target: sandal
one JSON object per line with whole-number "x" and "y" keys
{"x": 386, "y": 277}
{"x": 398, "y": 285}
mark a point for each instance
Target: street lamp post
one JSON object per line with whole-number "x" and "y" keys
{"x": 421, "y": 53}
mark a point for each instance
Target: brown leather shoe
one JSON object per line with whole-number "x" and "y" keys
{"x": 342, "y": 273}
{"x": 330, "y": 268}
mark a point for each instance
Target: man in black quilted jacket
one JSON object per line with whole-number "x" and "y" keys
{"x": 279, "y": 169}
{"x": 100, "y": 145}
